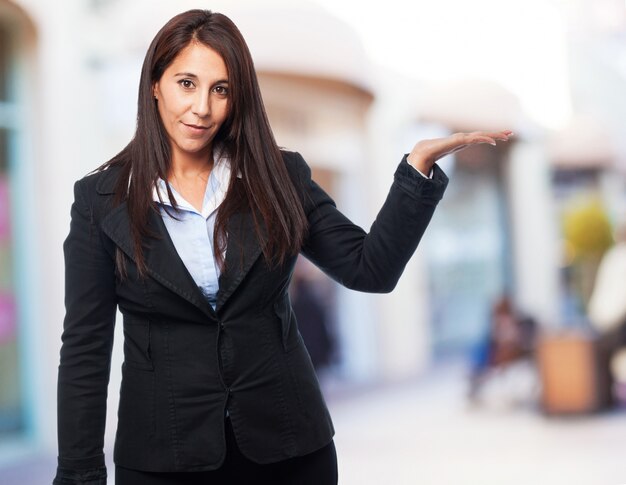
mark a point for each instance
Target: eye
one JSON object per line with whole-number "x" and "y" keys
{"x": 221, "y": 90}
{"x": 186, "y": 83}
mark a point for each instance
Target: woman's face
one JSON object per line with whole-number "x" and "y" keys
{"x": 192, "y": 98}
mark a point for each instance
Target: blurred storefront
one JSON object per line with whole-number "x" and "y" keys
{"x": 586, "y": 186}
{"x": 498, "y": 207}
{"x": 10, "y": 410}
{"x": 17, "y": 228}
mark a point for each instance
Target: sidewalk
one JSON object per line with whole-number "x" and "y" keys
{"x": 426, "y": 433}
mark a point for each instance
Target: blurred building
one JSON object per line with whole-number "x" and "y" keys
{"x": 68, "y": 84}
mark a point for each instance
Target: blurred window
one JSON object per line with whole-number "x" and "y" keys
{"x": 4, "y": 63}
{"x": 467, "y": 254}
{"x": 10, "y": 395}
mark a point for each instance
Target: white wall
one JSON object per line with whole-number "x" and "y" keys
{"x": 535, "y": 232}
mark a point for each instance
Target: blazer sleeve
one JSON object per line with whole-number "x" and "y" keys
{"x": 85, "y": 355}
{"x": 370, "y": 262}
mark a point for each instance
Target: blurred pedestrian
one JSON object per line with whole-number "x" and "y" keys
{"x": 192, "y": 231}
{"x": 607, "y": 309}
{"x": 312, "y": 314}
{"x": 510, "y": 338}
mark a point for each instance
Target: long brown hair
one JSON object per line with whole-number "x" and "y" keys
{"x": 245, "y": 137}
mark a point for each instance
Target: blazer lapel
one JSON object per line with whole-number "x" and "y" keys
{"x": 162, "y": 261}
{"x": 242, "y": 251}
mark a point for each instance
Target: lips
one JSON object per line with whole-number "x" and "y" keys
{"x": 195, "y": 130}
{"x": 196, "y": 127}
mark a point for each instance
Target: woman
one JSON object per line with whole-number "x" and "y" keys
{"x": 217, "y": 386}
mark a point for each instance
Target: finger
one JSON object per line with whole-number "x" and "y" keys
{"x": 493, "y": 133}
{"x": 482, "y": 138}
{"x": 504, "y": 135}
{"x": 500, "y": 135}
{"x": 489, "y": 137}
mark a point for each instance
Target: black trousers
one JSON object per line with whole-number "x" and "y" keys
{"x": 317, "y": 468}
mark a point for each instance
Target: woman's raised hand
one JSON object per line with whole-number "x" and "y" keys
{"x": 426, "y": 152}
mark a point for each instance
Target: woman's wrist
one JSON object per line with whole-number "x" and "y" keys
{"x": 420, "y": 164}
{"x": 426, "y": 175}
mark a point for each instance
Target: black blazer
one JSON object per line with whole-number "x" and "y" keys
{"x": 186, "y": 364}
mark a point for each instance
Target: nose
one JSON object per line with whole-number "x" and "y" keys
{"x": 201, "y": 104}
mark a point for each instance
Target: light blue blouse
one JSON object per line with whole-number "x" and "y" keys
{"x": 192, "y": 235}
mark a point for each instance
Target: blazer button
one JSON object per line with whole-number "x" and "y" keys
{"x": 222, "y": 326}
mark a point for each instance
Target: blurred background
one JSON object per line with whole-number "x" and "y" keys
{"x": 499, "y": 356}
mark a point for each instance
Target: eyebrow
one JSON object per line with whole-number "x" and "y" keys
{"x": 192, "y": 75}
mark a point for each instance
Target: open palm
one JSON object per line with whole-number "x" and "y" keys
{"x": 426, "y": 152}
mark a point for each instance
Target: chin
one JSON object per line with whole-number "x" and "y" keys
{"x": 193, "y": 149}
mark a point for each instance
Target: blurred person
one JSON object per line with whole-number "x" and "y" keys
{"x": 510, "y": 338}
{"x": 607, "y": 311}
{"x": 312, "y": 316}
{"x": 192, "y": 230}
{"x": 618, "y": 373}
